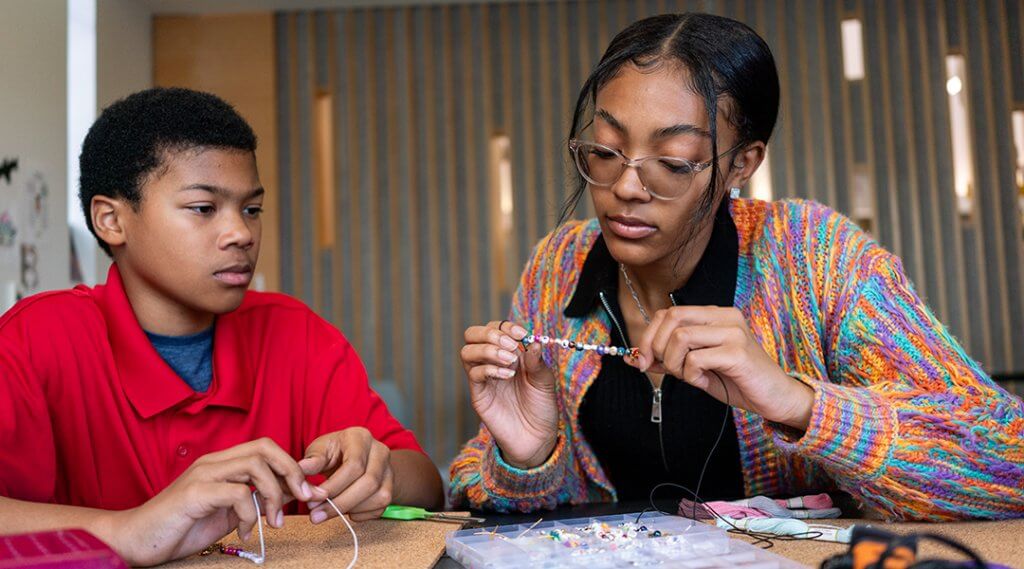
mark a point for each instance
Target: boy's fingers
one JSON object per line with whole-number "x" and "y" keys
{"x": 285, "y": 466}
{"x": 314, "y": 464}
{"x": 238, "y": 497}
{"x": 373, "y": 483}
{"x": 272, "y": 454}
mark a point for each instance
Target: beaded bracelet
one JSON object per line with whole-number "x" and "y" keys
{"x": 580, "y": 346}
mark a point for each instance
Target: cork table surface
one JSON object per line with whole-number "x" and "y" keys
{"x": 382, "y": 543}
{"x": 420, "y": 544}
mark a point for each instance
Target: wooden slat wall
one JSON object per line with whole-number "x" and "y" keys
{"x": 419, "y": 92}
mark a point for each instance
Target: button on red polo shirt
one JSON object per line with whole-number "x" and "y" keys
{"x": 90, "y": 415}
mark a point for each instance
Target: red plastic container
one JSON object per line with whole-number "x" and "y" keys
{"x": 74, "y": 548}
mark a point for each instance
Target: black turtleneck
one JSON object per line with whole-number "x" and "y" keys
{"x": 615, "y": 415}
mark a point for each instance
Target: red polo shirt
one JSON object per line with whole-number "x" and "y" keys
{"x": 90, "y": 415}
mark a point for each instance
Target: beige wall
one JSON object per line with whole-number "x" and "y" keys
{"x": 124, "y": 49}
{"x": 33, "y": 110}
{"x": 233, "y": 57}
{"x": 124, "y": 64}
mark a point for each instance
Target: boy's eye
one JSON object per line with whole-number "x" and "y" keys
{"x": 201, "y": 209}
{"x": 254, "y": 210}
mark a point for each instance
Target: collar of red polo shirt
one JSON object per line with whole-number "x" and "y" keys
{"x": 149, "y": 383}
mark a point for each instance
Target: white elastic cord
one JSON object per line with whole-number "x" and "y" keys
{"x": 355, "y": 540}
{"x": 259, "y": 559}
{"x": 262, "y": 556}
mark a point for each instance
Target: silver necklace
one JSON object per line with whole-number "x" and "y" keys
{"x": 632, "y": 292}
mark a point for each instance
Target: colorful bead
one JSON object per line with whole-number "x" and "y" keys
{"x": 229, "y": 550}
{"x": 581, "y": 346}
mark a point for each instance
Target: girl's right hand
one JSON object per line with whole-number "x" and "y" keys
{"x": 512, "y": 391}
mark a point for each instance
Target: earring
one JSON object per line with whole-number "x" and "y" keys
{"x": 734, "y": 193}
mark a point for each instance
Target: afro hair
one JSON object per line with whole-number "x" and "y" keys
{"x": 131, "y": 138}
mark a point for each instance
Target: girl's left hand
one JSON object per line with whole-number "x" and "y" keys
{"x": 695, "y": 343}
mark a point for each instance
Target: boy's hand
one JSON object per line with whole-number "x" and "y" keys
{"x": 360, "y": 480}
{"x": 207, "y": 501}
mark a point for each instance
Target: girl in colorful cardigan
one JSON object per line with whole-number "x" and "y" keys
{"x": 837, "y": 373}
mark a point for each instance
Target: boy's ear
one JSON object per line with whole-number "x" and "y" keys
{"x": 108, "y": 217}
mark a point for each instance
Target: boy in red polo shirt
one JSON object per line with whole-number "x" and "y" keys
{"x": 145, "y": 408}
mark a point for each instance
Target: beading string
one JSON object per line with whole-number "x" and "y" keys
{"x": 261, "y": 557}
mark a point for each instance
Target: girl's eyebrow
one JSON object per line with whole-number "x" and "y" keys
{"x": 665, "y": 132}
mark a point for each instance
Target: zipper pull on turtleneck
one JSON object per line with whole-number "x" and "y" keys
{"x": 656, "y": 406}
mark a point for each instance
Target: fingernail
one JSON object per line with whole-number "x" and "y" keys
{"x": 507, "y": 357}
{"x": 507, "y": 343}
{"x": 247, "y": 535}
{"x": 519, "y": 331}
{"x": 307, "y": 492}
{"x": 506, "y": 373}
{"x": 279, "y": 519}
{"x": 641, "y": 362}
{"x": 318, "y": 516}
{"x": 319, "y": 492}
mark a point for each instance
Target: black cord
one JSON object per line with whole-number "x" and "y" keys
{"x": 766, "y": 540}
{"x": 714, "y": 447}
{"x": 979, "y": 563}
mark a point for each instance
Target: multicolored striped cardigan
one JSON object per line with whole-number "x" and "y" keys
{"x": 903, "y": 419}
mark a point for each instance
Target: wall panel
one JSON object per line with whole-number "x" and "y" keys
{"x": 420, "y": 92}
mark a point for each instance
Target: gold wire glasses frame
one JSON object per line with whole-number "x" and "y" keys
{"x": 668, "y": 178}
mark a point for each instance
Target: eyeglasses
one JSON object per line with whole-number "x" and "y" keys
{"x": 664, "y": 177}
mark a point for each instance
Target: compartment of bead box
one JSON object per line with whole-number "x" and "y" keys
{"x": 608, "y": 542}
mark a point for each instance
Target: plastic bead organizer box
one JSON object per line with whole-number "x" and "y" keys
{"x": 609, "y": 542}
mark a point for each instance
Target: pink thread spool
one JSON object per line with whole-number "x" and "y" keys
{"x": 812, "y": 502}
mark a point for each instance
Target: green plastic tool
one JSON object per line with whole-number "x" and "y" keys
{"x": 395, "y": 512}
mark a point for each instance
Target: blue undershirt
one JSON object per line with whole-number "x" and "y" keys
{"x": 191, "y": 357}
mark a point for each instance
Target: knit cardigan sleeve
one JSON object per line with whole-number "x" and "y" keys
{"x": 479, "y": 477}
{"x": 906, "y": 422}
